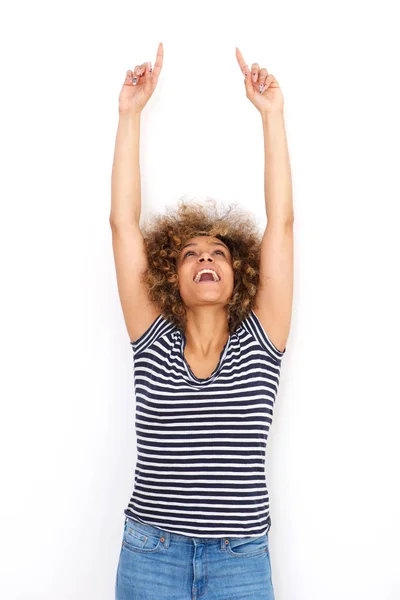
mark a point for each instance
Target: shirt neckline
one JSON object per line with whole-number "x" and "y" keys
{"x": 217, "y": 368}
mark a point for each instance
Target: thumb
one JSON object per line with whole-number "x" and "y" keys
{"x": 149, "y": 79}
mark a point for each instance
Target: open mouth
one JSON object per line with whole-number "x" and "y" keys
{"x": 207, "y": 276}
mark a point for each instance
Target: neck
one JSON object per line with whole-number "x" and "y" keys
{"x": 206, "y": 331}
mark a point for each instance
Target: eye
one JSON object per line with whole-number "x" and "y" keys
{"x": 190, "y": 252}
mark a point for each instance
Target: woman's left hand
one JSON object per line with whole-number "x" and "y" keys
{"x": 270, "y": 99}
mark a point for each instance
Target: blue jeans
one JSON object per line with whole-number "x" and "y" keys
{"x": 155, "y": 564}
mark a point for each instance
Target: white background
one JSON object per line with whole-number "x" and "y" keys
{"x": 67, "y": 405}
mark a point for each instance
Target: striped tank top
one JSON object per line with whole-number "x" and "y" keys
{"x": 201, "y": 443}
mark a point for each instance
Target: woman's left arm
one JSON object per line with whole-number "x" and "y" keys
{"x": 277, "y": 172}
{"x": 274, "y": 297}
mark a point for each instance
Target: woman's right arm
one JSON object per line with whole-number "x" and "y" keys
{"x": 125, "y": 180}
{"x": 127, "y": 239}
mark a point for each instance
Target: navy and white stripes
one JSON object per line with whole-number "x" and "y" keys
{"x": 201, "y": 443}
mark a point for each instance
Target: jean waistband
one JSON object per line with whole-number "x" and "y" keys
{"x": 168, "y": 535}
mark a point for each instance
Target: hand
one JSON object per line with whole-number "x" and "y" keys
{"x": 140, "y": 85}
{"x": 270, "y": 99}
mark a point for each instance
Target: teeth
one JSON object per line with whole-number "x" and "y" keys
{"x": 197, "y": 278}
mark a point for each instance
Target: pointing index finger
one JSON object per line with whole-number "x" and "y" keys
{"x": 159, "y": 62}
{"x": 240, "y": 59}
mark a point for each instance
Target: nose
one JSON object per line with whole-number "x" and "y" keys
{"x": 209, "y": 258}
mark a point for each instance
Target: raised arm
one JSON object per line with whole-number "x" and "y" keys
{"x": 127, "y": 239}
{"x": 273, "y": 301}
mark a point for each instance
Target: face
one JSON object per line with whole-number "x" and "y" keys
{"x": 199, "y": 253}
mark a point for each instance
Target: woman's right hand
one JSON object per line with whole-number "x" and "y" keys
{"x": 135, "y": 95}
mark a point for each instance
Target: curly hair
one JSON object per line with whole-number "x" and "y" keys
{"x": 165, "y": 235}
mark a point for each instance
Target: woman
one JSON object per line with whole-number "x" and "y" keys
{"x": 207, "y": 306}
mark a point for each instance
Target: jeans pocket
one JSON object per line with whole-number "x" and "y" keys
{"x": 135, "y": 540}
{"x": 246, "y": 547}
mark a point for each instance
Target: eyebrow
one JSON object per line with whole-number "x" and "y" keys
{"x": 213, "y": 244}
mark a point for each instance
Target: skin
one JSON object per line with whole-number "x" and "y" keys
{"x": 206, "y": 303}
{"x": 207, "y": 329}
